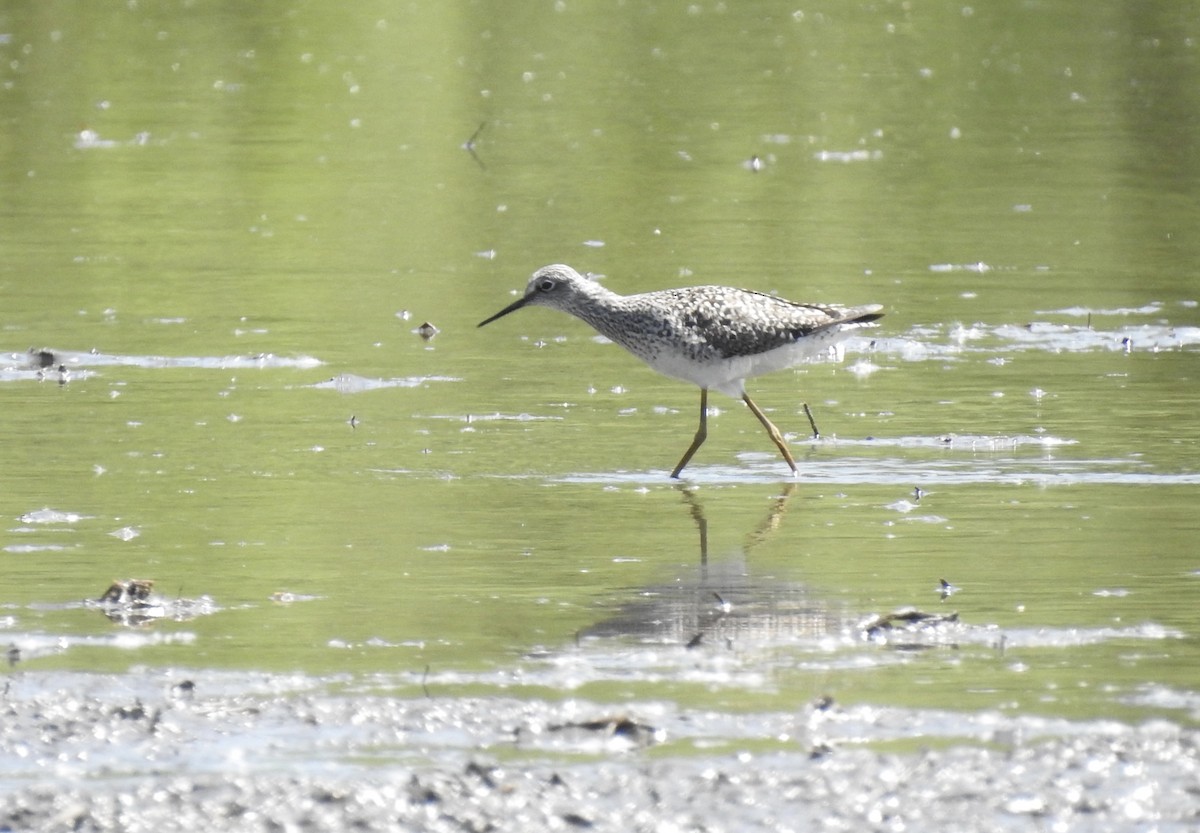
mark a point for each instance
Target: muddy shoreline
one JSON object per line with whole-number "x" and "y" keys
{"x": 93, "y": 752}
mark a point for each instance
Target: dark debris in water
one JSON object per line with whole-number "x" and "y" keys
{"x": 133, "y": 603}
{"x": 618, "y": 727}
{"x": 135, "y": 591}
{"x": 38, "y": 364}
{"x": 42, "y": 359}
{"x": 426, "y": 331}
{"x": 912, "y": 629}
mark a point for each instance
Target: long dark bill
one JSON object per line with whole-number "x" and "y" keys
{"x": 513, "y": 307}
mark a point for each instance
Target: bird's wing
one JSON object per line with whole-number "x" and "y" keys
{"x": 735, "y": 322}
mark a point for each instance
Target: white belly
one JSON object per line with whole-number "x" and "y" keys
{"x": 729, "y": 375}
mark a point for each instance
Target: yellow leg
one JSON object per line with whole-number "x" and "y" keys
{"x": 701, "y": 434}
{"x": 776, "y": 437}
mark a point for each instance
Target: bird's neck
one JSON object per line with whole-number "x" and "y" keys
{"x": 598, "y": 306}
{"x": 619, "y": 318}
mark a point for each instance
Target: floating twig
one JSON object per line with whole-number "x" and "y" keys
{"x": 816, "y": 435}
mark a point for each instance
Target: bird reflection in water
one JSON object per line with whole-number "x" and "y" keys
{"x": 719, "y": 603}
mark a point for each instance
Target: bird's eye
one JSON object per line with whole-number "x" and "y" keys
{"x": 546, "y": 285}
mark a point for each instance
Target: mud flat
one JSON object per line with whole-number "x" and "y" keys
{"x": 163, "y": 752}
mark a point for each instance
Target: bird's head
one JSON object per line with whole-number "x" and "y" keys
{"x": 554, "y": 286}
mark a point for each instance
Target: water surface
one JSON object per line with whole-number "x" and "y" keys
{"x": 224, "y": 229}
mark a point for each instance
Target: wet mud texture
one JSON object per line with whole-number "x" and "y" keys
{"x": 89, "y": 760}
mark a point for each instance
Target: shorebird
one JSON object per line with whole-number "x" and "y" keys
{"x": 716, "y": 337}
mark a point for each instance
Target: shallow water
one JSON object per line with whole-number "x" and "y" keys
{"x": 226, "y": 236}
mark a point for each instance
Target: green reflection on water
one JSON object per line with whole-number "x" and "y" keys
{"x": 284, "y": 180}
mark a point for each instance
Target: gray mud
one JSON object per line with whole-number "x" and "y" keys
{"x": 89, "y": 752}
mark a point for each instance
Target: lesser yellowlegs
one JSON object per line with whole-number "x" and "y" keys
{"x": 713, "y": 336}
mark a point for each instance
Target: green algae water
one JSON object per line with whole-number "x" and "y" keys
{"x": 223, "y": 230}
